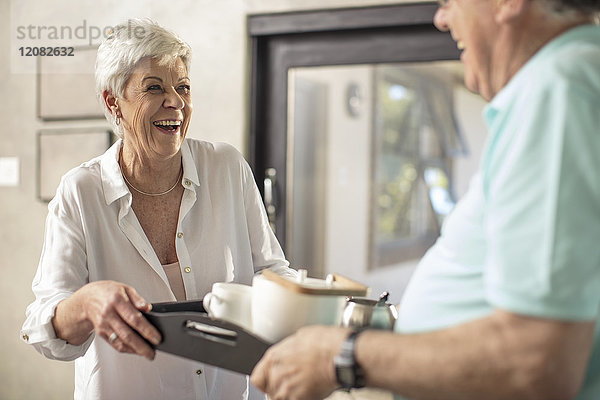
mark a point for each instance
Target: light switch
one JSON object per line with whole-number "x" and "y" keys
{"x": 9, "y": 171}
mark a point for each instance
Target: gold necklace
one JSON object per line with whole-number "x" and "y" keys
{"x": 155, "y": 194}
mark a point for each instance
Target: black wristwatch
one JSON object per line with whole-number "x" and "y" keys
{"x": 347, "y": 371}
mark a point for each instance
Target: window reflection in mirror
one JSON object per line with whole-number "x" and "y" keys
{"x": 377, "y": 157}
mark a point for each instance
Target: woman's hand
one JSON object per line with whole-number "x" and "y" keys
{"x": 111, "y": 309}
{"x": 301, "y": 366}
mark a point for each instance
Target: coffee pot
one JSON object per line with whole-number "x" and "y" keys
{"x": 361, "y": 312}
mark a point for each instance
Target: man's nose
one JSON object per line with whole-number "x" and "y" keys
{"x": 440, "y": 19}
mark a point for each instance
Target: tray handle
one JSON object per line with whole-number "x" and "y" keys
{"x": 210, "y": 332}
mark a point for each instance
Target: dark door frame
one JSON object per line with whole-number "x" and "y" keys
{"x": 368, "y": 35}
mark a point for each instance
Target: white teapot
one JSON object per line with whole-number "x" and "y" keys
{"x": 281, "y": 305}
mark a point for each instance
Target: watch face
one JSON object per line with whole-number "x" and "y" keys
{"x": 345, "y": 376}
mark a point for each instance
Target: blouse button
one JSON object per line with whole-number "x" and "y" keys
{"x": 187, "y": 182}
{"x": 198, "y": 372}
{"x": 188, "y": 269}
{"x": 180, "y": 235}
{"x": 26, "y": 337}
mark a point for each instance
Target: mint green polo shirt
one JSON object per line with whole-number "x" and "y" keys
{"x": 526, "y": 236}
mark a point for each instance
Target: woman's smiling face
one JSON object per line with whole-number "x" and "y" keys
{"x": 156, "y": 108}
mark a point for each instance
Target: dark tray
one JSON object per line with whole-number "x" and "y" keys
{"x": 188, "y": 331}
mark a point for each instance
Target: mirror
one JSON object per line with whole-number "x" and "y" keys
{"x": 377, "y": 156}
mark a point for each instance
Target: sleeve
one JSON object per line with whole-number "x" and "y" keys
{"x": 61, "y": 271}
{"x": 266, "y": 250}
{"x": 543, "y": 197}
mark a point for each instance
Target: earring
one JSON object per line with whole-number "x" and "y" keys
{"x": 117, "y": 119}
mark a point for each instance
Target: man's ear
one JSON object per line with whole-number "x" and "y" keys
{"x": 509, "y": 10}
{"x": 110, "y": 102}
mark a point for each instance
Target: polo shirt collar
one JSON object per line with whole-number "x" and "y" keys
{"x": 506, "y": 95}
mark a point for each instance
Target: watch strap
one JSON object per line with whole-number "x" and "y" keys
{"x": 349, "y": 373}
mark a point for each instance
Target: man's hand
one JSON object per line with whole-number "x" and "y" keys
{"x": 301, "y": 366}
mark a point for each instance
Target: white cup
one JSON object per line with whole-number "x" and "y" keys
{"x": 230, "y": 302}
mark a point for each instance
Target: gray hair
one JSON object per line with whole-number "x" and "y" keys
{"x": 581, "y": 7}
{"x": 125, "y": 46}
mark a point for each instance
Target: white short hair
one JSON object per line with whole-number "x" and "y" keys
{"x": 125, "y": 46}
{"x": 575, "y": 7}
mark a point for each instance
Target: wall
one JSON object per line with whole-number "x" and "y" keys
{"x": 216, "y": 30}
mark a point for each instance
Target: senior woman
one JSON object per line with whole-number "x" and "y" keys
{"x": 158, "y": 217}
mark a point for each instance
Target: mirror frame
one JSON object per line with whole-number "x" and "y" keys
{"x": 363, "y": 35}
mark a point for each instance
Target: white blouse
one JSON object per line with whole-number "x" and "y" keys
{"x": 93, "y": 234}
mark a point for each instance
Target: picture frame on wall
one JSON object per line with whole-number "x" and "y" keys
{"x": 60, "y": 150}
{"x": 66, "y": 88}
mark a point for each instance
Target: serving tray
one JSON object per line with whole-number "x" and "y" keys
{"x": 188, "y": 331}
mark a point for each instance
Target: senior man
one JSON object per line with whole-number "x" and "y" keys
{"x": 506, "y": 304}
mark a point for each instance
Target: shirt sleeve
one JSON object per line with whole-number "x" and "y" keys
{"x": 543, "y": 202}
{"x": 61, "y": 271}
{"x": 266, "y": 250}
